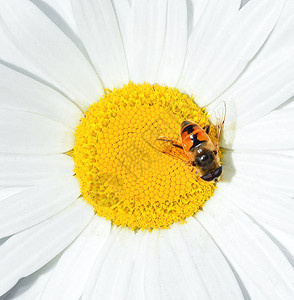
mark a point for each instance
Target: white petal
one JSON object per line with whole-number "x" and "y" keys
{"x": 236, "y": 46}
{"x": 11, "y": 55}
{"x": 287, "y": 104}
{"x": 282, "y": 35}
{"x": 241, "y": 40}
{"x": 122, "y": 288}
{"x": 31, "y": 287}
{"x": 203, "y": 39}
{"x": 266, "y": 206}
{"x": 3, "y": 240}
{"x": 62, "y": 8}
{"x": 147, "y": 35}
{"x": 36, "y": 204}
{"x": 272, "y": 132}
{"x": 174, "y": 51}
{"x": 262, "y": 88}
{"x": 24, "y": 169}
{"x": 106, "y": 275}
{"x": 266, "y": 169}
{"x": 99, "y": 30}
{"x": 70, "y": 276}
{"x": 51, "y": 50}
{"x": 174, "y": 276}
{"x": 285, "y": 239}
{"x": 123, "y": 13}
{"x": 195, "y": 9}
{"x": 191, "y": 264}
{"x": 263, "y": 269}
{"x": 7, "y": 192}
{"x": 288, "y": 152}
{"x": 136, "y": 286}
{"x": 21, "y": 92}
{"x": 267, "y": 82}
{"x": 26, "y": 252}
{"x": 152, "y": 271}
{"x": 22, "y": 132}
{"x": 243, "y": 2}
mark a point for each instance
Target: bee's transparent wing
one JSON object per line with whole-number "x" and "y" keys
{"x": 218, "y": 118}
{"x": 171, "y": 147}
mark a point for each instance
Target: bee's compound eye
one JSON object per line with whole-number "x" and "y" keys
{"x": 204, "y": 157}
{"x": 208, "y": 177}
{"x": 218, "y": 171}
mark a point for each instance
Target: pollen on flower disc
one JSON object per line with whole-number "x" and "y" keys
{"x": 127, "y": 180}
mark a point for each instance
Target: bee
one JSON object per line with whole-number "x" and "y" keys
{"x": 195, "y": 147}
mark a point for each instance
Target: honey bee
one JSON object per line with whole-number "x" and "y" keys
{"x": 195, "y": 147}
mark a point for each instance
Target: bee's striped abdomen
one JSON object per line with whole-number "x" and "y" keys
{"x": 192, "y": 135}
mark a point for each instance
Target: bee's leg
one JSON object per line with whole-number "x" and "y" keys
{"x": 188, "y": 164}
{"x": 161, "y": 138}
{"x": 206, "y": 128}
{"x": 177, "y": 143}
{"x": 178, "y": 146}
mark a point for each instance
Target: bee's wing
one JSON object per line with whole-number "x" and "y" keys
{"x": 218, "y": 118}
{"x": 171, "y": 147}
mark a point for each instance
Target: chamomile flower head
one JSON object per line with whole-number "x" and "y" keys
{"x": 104, "y": 188}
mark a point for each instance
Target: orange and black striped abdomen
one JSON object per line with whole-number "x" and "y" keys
{"x": 192, "y": 135}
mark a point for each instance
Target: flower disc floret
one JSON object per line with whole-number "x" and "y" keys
{"x": 127, "y": 180}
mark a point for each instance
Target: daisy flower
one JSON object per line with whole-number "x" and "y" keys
{"x": 90, "y": 207}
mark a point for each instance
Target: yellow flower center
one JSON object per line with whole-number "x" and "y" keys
{"x": 121, "y": 174}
